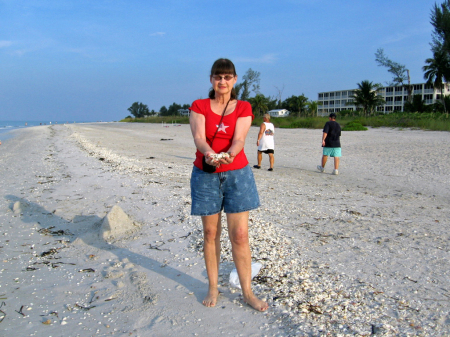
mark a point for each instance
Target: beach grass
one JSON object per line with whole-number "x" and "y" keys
{"x": 415, "y": 120}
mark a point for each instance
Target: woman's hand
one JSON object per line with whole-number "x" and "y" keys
{"x": 229, "y": 159}
{"x": 210, "y": 160}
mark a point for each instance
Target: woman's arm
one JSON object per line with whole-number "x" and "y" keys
{"x": 240, "y": 133}
{"x": 261, "y": 132}
{"x": 197, "y": 123}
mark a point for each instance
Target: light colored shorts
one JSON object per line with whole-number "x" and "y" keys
{"x": 232, "y": 191}
{"x": 332, "y": 151}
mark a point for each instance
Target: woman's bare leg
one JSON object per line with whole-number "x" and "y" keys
{"x": 238, "y": 231}
{"x": 211, "y": 247}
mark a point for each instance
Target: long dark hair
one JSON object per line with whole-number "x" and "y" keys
{"x": 223, "y": 66}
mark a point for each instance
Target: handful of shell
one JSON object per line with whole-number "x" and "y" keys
{"x": 219, "y": 156}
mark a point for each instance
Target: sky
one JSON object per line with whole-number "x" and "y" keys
{"x": 85, "y": 60}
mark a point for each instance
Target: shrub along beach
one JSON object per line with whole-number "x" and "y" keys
{"x": 425, "y": 121}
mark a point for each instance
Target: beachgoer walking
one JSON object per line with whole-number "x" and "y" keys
{"x": 220, "y": 124}
{"x": 331, "y": 143}
{"x": 266, "y": 142}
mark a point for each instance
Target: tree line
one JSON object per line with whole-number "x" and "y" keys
{"x": 366, "y": 97}
{"x": 247, "y": 90}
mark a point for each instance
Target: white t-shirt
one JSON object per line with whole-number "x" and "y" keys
{"x": 266, "y": 142}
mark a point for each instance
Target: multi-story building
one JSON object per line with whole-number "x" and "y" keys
{"x": 395, "y": 97}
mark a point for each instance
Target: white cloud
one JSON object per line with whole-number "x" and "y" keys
{"x": 158, "y": 34}
{"x": 268, "y": 58}
{"x": 5, "y": 44}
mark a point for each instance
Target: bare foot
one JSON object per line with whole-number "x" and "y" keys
{"x": 211, "y": 298}
{"x": 256, "y": 303}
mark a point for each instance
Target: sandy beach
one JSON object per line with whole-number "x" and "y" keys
{"x": 97, "y": 237}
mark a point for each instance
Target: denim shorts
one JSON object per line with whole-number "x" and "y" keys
{"x": 232, "y": 191}
{"x": 332, "y": 151}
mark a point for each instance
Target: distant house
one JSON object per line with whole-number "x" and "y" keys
{"x": 279, "y": 113}
{"x": 183, "y": 112}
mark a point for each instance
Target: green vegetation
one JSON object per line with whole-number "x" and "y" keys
{"x": 356, "y": 121}
{"x": 414, "y": 120}
{"x": 158, "y": 119}
{"x": 354, "y": 126}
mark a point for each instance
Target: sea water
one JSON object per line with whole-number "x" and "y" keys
{"x": 7, "y": 126}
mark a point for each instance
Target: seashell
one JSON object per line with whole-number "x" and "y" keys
{"x": 218, "y": 156}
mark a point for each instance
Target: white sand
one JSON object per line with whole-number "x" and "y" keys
{"x": 375, "y": 237}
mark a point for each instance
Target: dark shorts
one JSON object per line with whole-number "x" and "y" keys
{"x": 267, "y": 151}
{"x": 232, "y": 191}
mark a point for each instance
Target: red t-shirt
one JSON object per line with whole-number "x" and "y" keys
{"x": 224, "y": 136}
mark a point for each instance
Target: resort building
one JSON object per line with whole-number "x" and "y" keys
{"x": 278, "y": 113}
{"x": 395, "y": 97}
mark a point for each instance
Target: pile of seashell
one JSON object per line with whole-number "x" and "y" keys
{"x": 310, "y": 299}
{"x": 218, "y": 156}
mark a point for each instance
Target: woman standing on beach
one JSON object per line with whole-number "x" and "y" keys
{"x": 220, "y": 124}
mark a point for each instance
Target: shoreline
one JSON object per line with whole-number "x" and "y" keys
{"x": 364, "y": 250}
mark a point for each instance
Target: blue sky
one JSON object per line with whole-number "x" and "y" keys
{"x": 88, "y": 60}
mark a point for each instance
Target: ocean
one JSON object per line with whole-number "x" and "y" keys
{"x": 7, "y": 126}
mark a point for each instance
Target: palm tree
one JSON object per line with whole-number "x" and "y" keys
{"x": 366, "y": 96}
{"x": 437, "y": 71}
{"x": 417, "y": 104}
{"x": 259, "y": 104}
{"x": 313, "y": 107}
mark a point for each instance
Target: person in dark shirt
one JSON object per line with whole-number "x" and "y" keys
{"x": 331, "y": 143}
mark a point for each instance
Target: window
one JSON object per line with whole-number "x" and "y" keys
{"x": 398, "y": 89}
{"x": 320, "y": 95}
{"x": 338, "y": 94}
{"x": 389, "y": 99}
{"x": 427, "y": 97}
{"x": 343, "y": 101}
{"x": 438, "y": 96}
{"x": 397, "y": 108}
{"x": 344, "y": 94}
{"x": 405, "y": 98}
{"x": 418, "y": 87}
{"x": 331, "y": 94}
{"x": 325, "y": 94}
{"x": 325, "y": 103}
{"x": 388, "y": 108}
{"x": 397, "y": 98}
{"x": 331, "y": 102}
{"x": 389, "y": 89}
{"x": 428, "y": 86}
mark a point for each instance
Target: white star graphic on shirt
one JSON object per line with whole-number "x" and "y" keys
{"x": 222, "y": 127}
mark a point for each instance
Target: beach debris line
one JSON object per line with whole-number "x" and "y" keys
{"x": 157, "y": 247}
{"x": 50, "y": 231}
